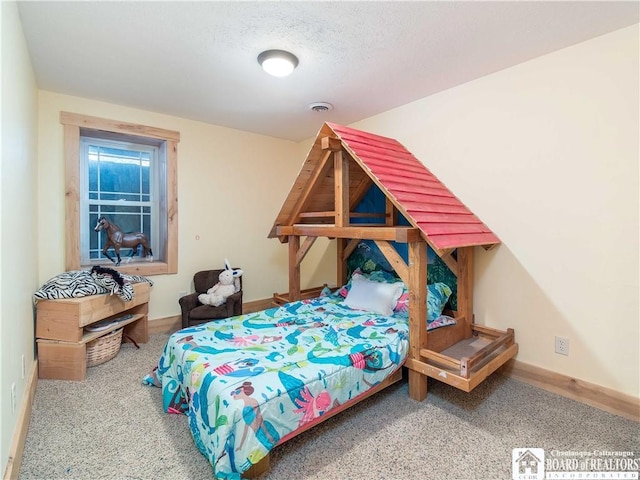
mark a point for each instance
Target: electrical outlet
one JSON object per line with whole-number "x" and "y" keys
{"x": 562, "y": 345}
{"x": 23, "y": 367}
{"x": 13, "y": 397}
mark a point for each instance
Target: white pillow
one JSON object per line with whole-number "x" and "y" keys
{"x": 377, "y": 297}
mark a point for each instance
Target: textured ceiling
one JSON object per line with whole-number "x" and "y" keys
{"x": 197, "y": 60}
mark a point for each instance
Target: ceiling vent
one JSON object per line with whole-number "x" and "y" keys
{"x": 320, "y": 106}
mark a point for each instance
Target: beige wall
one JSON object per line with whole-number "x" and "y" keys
{"x": 546, "y": 153}
{"x": 18, "y": 221}
{"x": 231, "y": 185}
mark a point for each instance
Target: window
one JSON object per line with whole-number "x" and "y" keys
{"x": 127, "y": 173}
{"x": 119, "y": 180}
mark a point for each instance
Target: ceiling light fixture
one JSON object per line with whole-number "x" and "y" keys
{"x": 278, "y": 62}
{"x": 320, "y": 106}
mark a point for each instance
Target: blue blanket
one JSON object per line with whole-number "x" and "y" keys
{"x": 248, "y": 382}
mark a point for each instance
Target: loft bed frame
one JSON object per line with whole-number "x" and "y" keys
{"x": 342, "y": 165}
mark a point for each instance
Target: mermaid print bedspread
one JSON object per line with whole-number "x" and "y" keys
{"x": 249, "y": 381}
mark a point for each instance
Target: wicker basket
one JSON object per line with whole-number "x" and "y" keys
{"x": 103, "y": 349}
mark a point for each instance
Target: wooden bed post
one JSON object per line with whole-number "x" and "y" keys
{"x": 465, "y": 287}
{"x": 341, "y": 261}
{"x": 294, "y": 268}
{"x": 341, "y": 186}
{"x": 341, "y": 195}
{"x": 417, "y": 315}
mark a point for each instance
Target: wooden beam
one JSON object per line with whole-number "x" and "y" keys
{"x": 302, "y": 252}
{"x": 417, "y": 315}
{"x": 171, "y": 248}
{"x": 465, "y": 286}
{"x": 446, "y": 251}
{"x": 341, "y": 261}
{"x": 333, "y": 144}
{"x": 332, "y": 213}
{"x": 323, "y": 214}
{"x": 449, "y": 362}
{"x": 394, "y": 258}
{"x": 370, "y": 224}
{"x": 396, "y": 234}
{"x": 442, "y": 374}
{"x": 72, "y": 194}
{"x": 96, "y": 123}
{"x": 341, "y": 183}
{"x": 391, "y": 213}
{"x": 294, "y": 268}
{"x": 450, "y": 262}
{"x": 351, "y": 246}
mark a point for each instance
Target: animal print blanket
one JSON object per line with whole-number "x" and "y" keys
{"x": 81, "y": 283}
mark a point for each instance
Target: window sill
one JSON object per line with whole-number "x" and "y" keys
{"x": 139, "y": 268}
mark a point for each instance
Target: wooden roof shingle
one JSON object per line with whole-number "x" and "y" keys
{"x": 427, "y": 204}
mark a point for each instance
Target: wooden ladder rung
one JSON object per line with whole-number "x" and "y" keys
{"x": 439, "y": 358}
{"x": 488, "y": 331}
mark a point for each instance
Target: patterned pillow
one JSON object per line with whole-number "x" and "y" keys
{"x": 437, "y": 296}
{"x": 439, "y": 272}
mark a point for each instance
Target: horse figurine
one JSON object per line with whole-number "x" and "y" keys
{"x": 117, "y": 239}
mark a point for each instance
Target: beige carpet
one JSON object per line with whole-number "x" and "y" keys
{"x": 112, "y": 427}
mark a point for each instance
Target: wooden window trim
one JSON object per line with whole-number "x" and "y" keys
{"x": 72, "y": 123}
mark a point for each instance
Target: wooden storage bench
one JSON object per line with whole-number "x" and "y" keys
{"x": 62, "y": 340}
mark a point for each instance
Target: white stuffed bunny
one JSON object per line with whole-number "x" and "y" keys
{"x": 228, "y": 284}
